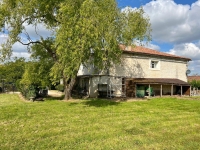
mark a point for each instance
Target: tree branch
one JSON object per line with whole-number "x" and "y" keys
{"x": 29, "y": 43}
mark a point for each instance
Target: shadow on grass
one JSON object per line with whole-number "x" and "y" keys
{"x": 51, "y": 98}
{"x": 100, "y": 102}
{"x": 88, "y": 102}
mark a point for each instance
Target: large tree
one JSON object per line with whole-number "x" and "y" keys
{"x": 84, "y": 31}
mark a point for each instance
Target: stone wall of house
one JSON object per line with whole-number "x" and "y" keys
{"x": 90, "y": 70}
{"x": 135, "y": 66}
{"x": 93, "y": 84}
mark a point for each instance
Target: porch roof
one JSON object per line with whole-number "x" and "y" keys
{"x": 159, "y": 81}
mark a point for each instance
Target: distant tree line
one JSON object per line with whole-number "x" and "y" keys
{"x": 28, "y": 77}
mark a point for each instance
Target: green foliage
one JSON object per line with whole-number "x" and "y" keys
{"x": 37, "y": 74}
{"x": 195, "y": 83}
{"x": 60, "y": 87}
{"x": 28, "y": 91}
{"x": 35, "y": 77}
{"x": 37, "y": 70}
{"x": 12, "y": 71}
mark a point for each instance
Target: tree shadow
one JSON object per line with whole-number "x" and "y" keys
{"x": 100, "y": 102}
{"x": 51, "y": 98}
{"x": 129, "y": 67}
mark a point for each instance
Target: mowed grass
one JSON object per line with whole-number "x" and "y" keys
{"x": 94, "y": 124}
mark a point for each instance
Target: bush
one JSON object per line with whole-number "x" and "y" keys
{"x": 60, "y": 87}
{"x": 18, "y": 85}
{"x": 195, "y": 83}
{"x": 28, "y": 91}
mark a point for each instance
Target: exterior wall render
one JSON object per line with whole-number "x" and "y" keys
{"x": 90, "y": 70}
{"x": 114, "y": 84}
{"x": 139, "y": 67}
{"x": 94, "y": 81}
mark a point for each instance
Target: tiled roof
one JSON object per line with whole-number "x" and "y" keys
{"x": 148, "y": 51}
{"x": 159, "y": 81}
{"x": 190, "y": 78}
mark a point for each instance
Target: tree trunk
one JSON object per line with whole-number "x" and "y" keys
{"x": 68, "y": 89}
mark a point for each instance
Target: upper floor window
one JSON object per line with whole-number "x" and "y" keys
{"x": 154, "y": 64}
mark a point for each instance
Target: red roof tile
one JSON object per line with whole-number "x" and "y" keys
{"x": 190, "y": 78}
{"x": 148, "y": 51}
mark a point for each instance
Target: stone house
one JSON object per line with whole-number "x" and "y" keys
{"x": 142, "y": 72}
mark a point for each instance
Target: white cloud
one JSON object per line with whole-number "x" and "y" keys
{"x": 18, "y": 47}
{"x": 173, "y": 22}
{"x": 21, "y": 54}
{"x": 35, "y": 32}
{"x": 20, "y": 50}
{"x": 3, "y": 38}
{"x": 194, "y": 66}
{"x": 128, "y": 9}
{"x": 189, "y": 50}
{"x": 152, "y": 46}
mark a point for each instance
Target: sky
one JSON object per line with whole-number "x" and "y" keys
{"x": 175, "y": 28}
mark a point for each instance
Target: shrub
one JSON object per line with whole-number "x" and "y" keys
{"x": 60, "y": 87}
{"x": 195, "y": 83}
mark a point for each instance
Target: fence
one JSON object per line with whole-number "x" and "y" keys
{"x": 7, "y": 87}
{"x": 195, "y": 91}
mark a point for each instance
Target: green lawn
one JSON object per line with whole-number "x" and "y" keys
{"x": 162, "y": 123}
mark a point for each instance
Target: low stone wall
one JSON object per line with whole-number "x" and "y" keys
{"x": 55, "y": 93}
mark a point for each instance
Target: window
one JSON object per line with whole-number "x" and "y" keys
{"x": 154, "y": 64}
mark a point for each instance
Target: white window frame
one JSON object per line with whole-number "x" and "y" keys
{"x": 154, "y": 64}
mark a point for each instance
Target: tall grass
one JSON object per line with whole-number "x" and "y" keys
{"x": 162, "y": 123}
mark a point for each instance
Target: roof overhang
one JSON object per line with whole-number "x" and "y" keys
{"x": 164, "y": 81}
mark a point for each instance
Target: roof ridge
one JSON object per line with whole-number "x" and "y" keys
{"x": 145, "y": 50}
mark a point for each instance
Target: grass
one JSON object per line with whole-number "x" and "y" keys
{"x": 161, "y": 123}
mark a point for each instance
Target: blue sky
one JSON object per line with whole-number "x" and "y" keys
{"x": 176, "y": 27}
